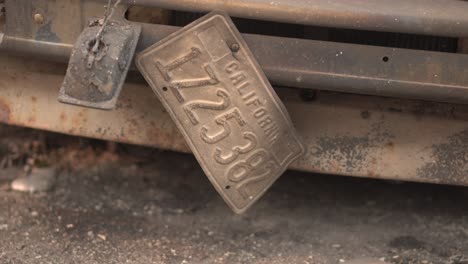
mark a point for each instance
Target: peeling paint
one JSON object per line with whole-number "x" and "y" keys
{"x": 449, "y": 161}
{"x": 349, "y": 153}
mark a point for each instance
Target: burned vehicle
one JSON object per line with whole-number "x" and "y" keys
{"x": 361, "y": 88}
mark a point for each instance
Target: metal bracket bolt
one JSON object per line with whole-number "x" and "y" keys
{"x": 38, "y": 18}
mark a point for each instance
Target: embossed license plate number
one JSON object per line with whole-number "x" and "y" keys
{"x": 216, "y": 93}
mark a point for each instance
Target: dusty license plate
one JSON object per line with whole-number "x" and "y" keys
{"x": 211, "y": 85}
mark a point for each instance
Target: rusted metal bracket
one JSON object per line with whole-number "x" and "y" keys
{"x": 99, "y": 63}
{"x": 95, "y": 77}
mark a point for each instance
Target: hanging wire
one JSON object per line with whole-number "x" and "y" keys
{"x": 110, "y": 9}
{"x": 106, "y": 18}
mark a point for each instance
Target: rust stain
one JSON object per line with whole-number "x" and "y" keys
{"x": 13, "y": 77}
{"x": 34, "y": 99}
{"x": 4, "y": 112}
{"x": 131, "y": 131}
{"x": 371, "y": 174}
{"x": 31, "y": 119}
{"x": 133, "y": 122}
{"x": 365, "y": 114}
{"x": 78, "y": 122}
{"x": 389, "y": 146}
{"x": 63, "y": 117}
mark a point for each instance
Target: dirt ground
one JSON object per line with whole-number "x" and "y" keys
{"x": 125, "y": 204}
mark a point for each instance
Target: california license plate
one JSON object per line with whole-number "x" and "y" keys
{"x": 216, "y": 93}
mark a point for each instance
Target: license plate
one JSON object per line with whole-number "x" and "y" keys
{"x": 216, "y": 93}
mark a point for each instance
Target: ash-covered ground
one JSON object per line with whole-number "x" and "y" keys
{"x": 112, "y": 203}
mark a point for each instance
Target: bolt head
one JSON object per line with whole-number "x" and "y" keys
{"x": 38, "y": 18}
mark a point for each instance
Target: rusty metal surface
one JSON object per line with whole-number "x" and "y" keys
{"x": 38, "y": 84}
{"x": 345, "y": 134}
{"x": 382, "y": 71}
{"x": 54, "y": 36}
{"x": 55, "y": 25}
{"x": 322, "y": 65}
{"x": 432, "y": 17}
{"x": 220, "y": 99}
{"x": 288, "y": 62}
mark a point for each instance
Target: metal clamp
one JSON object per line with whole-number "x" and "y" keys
{"x": 99, "y": 63}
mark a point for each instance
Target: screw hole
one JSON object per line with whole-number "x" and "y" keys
{"x": 385, "y": 59}
{"x": 164, "y": 88}
{"x": 227, "y": 187}
{"x": 235, "y": 47}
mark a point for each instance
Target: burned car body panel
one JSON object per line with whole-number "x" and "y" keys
{"x": 349, "y": 127}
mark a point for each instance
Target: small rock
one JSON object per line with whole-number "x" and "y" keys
{"x": 40, "y": 180}
{"x": 69, "y": 226}
{"x": 102, "y": 237}
{"x": 21, "y": 247}
{"x": 34, "y": 213}
{"x": 3, "y": 226}
{"x": 336, "y": 245}
{"x": 367, "y": 261}
{"x": 98, "y": 207}
{"x": 179, "y": 211}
